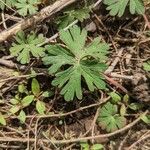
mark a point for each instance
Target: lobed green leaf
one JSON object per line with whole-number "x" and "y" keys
{"x": 109, "y": 119}
{"x": 118, "y": 7}
{"x": 25, "y": 46}
{"x": 80, "y": 61}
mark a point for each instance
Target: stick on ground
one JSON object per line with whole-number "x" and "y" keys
{"x": 43, "y": 14}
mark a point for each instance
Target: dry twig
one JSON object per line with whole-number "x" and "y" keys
{"x": 43, "y": 14}
{"x": 24, "y": 140}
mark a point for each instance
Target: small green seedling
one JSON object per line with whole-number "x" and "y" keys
{"x": 86, "y": 146}
{"x": 39, "y": 96}
{"x": 7, "y": 4}
{"x": 35, "y": 96}
{"x": 115, "y": 97}
{"x": 25, "y": 46}
{"x": 110, "y": 119}
{"x": 25, "y": 7}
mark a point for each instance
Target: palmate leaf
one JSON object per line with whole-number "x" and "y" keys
{"x": 117, "y": 7}
{"x": 80, "y": 61}
{"x": 109, "y": 119}
{"x": 7, "y": 3}
{"x": 25, "y": 46}
{"x": 26, "y": 6}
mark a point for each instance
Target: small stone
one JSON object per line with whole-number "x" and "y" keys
{"x": 91, "y": 27}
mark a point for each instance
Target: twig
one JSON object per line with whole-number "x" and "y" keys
{"x": 13, "y": 18}
{"x": 1, "y": 1}
{"x": 106, "y": 30}
{"x": 57, "y": 34}
{"x": 15, "y": 130}
{"x": 65, "y": 114}
{"x": 116, "y": 84}
{"x": 36, "y": 129}
{"x": 43, "y": 14}
{"x": 3, "y": 21}
{"x": 11, "y": 64}
{"x": 144, "y": 137}
{"x": 116, "y": 60}
{"x": 23, "y": 140}
{"x": 115, "y": 75}
{"x": 18, "y": 77}
{"x": 97, "y": 3}
{"x": 123, "y": 141}
{"x": 94, "y": 121}
{"x": 128, "y": 40}
{"x": 144, "y": 41}
{"x": 146, "y": 21}
{"x": 66, "y": 28}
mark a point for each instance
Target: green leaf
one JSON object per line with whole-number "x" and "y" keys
{"x": 26, "y": 101}
{"x": 14, "y": 109}
{"x": 109, "y": 119}
{"x": 35, "y": 86}
{"x": 97, "y": 147}
{"x": 123, "y": 110}
{"x": 82, "y": 13}
{"x": 135, "y": 106}
{"x": 57, "y": 57}
{"x": 118, "y": 7}
{"x": 22, "y": 116}
{"x": 65, "y": 20}
{"x": 21, "y": 88}
{"x": 146, "y": 66}
{"x": 85, "y": 146}
{"x": 47, "y": 94}
{"x": 70, "y": 16}
{"x": 40, "y": 107}
{"x": 14, "y": 101}
{"x": 2, "y": 120}
{"x": 115, "y": 97}
{"x": 26, "y": 6}
{"x": 126, "y": 98}
{"x": 74, "y": 40}
{"x": 80, "y": 61}
{"x": 136, "y": 6}
{"x": 25, "y": 46}
{"x": 33, "y": 73}
{"x": 73, "y": 85}
{"x": 7, "y": 4}
{"x": 146, "y": 118}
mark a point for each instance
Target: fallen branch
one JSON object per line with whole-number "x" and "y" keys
{"x": 43, "y": 14}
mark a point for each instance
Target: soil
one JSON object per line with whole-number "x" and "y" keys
{"x": 127, "y": 33}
